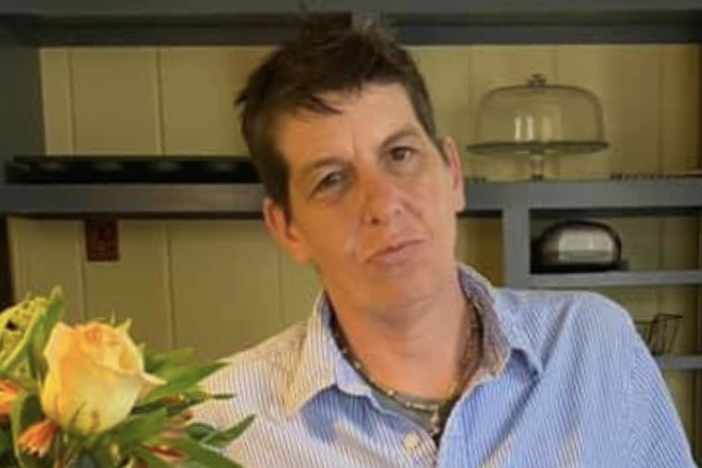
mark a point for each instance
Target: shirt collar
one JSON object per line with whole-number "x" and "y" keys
{"x": 315, "y": 369}
{"x": 322, "y": 366}
{"x": 504, "y": 333}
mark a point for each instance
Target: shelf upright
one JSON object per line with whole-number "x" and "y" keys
{"x": 21, "y": 127}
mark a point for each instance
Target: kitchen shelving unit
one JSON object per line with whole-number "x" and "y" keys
{"x": 517, "y": 203}
{"x": 27, "y": 25}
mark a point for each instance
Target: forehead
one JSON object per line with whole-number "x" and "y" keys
{"x": 364, "y": 119}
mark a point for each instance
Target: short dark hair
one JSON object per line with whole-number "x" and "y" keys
{"x": 325, "y": 57}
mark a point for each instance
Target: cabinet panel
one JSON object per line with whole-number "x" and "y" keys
{"x": 226, "y": 285}
{"x": 446, "y": 71}
{"x": 116, "y": 106}
{"x": 299, "y": 287}
{"x": 45, "y": 254}
{"x": 479, "y": 243}
{"x": 57, "y": 101}
{"x": 199, "y": 86}
{"x": 627, "y": 80}
{"x": 116, "y": 100}
{"x": 135, "y": 286}
{"x": 680, "y": 107}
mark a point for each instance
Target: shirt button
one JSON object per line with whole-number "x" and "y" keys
{"x": 411, "y": 441}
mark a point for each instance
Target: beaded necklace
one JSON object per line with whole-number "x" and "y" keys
{"x": 439, "y": 409}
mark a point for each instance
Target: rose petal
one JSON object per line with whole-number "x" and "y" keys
{"x": 95, "y": 377}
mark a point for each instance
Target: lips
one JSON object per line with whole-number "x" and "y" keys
{"x": 395, "y": 252}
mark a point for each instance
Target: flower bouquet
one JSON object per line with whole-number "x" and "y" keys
{"x": 88, "y": 397}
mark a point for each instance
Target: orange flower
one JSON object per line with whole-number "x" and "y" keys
{"x": 167, "y": 454}
{"x": 38, "y": 437}
{"x": 8, "y": 394}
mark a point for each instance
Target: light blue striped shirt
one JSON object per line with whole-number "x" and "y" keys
{"x": 565, "y": 381}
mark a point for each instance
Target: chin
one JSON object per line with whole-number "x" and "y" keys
{"x": 405, "y": 289}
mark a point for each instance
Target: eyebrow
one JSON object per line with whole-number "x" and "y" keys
{"x": 315, "y": 165}
{"x": 404, "y": 132}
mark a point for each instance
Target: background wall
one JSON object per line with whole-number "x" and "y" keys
{"x": 222, "y": 285}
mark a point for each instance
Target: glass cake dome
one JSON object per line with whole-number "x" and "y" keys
{"x": 538, "y": 120}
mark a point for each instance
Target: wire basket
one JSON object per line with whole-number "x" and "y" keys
{"x": 660, "y": 332}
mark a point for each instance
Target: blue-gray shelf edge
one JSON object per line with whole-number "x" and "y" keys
{"x": 176, "y": 200}
{"x": 599, "y": 194}
{"x": 483, "y": 198}
{"x": 164, "y": 8}
{"x": 616, "y": 278}
{"x": 679, "y": 362}
{"x": 162, "y": 22}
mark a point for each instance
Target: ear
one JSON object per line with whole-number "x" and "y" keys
{"x": 453, "y": 157}
{"x": 284, "y": 231}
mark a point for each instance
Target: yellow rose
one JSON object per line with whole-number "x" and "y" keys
{"x": 96, "y": 375}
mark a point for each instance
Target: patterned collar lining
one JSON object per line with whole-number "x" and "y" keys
{"x": 322, "y": 365}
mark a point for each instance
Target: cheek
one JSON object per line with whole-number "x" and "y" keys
{"x": 332, "y": 239}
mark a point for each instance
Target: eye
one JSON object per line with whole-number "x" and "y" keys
{"x": 404, "y": 160}
{"x": 330, "y": 181}
{"x": 401, "y": 154}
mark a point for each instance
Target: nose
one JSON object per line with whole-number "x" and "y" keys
{"x": 381, "y": 199}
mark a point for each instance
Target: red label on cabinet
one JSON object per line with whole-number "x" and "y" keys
{"x": 102, "y": 240}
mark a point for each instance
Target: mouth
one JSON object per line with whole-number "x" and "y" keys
{"x": 395, "y": 252}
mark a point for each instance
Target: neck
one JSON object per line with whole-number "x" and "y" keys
{"x": 419, "y": 348}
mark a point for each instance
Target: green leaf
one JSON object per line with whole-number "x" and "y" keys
{"x": 32, "y": 344}
{"x": 201, "y": 454}
{"x": 152, "y": 460}
{"x": 52, "y": 316}
{"x": 154, "y": 362}
{"x": 171, "y": 373}
{"x": 26, "y": 411}
{"x": 223, "y": 438}
{"x": 185, "y": 400}
{"x": 139, "y": 428}
{"x": 181, "y": 380}
{"x": 97, "y": 457}
{"x": 8, "y": 461}
{"x": 198, "y": 431}
{"x": 5, "y": 442}
{"x": 20, "y": 351}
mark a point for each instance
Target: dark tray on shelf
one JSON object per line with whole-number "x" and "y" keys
{"x": 620, "y": 265}
{"x": 129, "y": 169}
